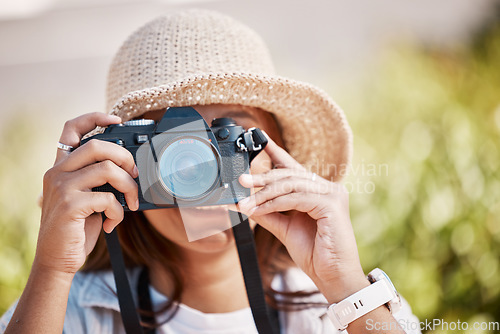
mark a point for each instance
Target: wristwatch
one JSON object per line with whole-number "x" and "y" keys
{"x": 380, "y": 292}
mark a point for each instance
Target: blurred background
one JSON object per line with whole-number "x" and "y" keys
{"x": 419, "y": 82}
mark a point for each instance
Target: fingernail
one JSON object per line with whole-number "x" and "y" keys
{"x": 118, "y": 118}
{"x": 135, "y": 171}
{"x": 251, "y": 211}
{"x": 244, "y": 201}
{"x": 246, "y": 177}
{"x": 137, "y": 205}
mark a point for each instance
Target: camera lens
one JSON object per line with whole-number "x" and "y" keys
{"x": 186, "y": 167}
{"x": 189, "y": 168}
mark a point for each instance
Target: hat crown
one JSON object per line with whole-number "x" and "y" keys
{"x": 180, "y": 45}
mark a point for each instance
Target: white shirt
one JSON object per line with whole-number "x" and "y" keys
{"x": 191, "y": 321}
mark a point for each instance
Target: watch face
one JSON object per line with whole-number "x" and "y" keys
{"x": 378, "y": 275}
{"x": 388, "y": 279}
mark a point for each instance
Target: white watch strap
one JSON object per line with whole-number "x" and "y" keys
{"x": 360, "y": 303}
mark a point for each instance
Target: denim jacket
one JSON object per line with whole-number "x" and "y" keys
{"x": 93, "y": 306}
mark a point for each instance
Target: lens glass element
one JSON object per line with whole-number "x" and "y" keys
{"x": 188, "y": 168}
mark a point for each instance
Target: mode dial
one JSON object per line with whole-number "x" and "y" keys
{"x": 139, "y": 122}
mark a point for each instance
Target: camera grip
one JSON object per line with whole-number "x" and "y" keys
{"x": 119, "y": 196}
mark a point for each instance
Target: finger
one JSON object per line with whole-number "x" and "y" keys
{"x": 93, "y": 226}
{"x": 280, "y": 157}
{"x": 276, "y": 223}
{"x": 99, "y": 150}
{"x": 308, "y": 203}
{"x": 260, "y": 180}
{"x": 104, "y": 172}
{"x": 76, "y": 128}
{"x": 107, "y": 203}
{"x": 285, "y": 186}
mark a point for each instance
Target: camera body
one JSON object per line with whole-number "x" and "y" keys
{"x": 184, "y": 162}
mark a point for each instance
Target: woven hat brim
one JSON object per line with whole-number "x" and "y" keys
{"x": 314, "y": 129}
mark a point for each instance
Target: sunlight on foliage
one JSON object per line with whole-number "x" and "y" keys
{"x": 25, "y": 153}
{"x": 432, "y": 222}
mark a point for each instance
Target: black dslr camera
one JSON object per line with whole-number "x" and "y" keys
{"x": 184, "y": 162}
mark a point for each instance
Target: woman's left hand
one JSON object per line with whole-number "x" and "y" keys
{"x": 317, "y": 232}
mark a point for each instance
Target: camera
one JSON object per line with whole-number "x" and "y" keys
{"x": 184, "y": 162}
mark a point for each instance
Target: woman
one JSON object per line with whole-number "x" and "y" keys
{"x": 306, "y": 246}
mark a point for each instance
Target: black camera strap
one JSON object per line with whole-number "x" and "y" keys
{"x": 145, "y": 304}
{"x": 266, "y": 318}
{"x": 128, "y": 310}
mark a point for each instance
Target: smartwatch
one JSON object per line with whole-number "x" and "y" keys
{"x": 380, "y": 292}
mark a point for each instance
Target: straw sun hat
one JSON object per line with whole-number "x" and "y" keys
{"x": 199, "y": 57}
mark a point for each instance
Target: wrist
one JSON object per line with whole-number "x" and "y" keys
{"x": 49, "y": 273}
{"x": 355, "y": 307}
{"x": 336, "y": 290}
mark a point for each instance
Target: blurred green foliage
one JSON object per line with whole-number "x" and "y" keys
{"x": 429, "y": 216}
{"x": 23, "y": 156}
{"x": 425, "y": 182}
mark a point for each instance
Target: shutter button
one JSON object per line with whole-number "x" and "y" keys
{"x": 223, "y": 133}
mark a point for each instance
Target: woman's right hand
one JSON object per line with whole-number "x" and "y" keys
{"x": 71, "y": 223}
